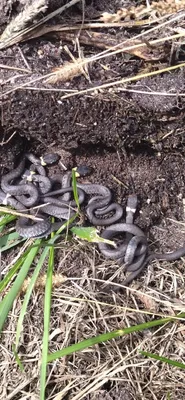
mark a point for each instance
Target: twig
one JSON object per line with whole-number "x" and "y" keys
{"x": 24, "y": 59}
{"x": 7, "y": 210}
{"x": 3, "y": 66}
{"x": 8, "y": 140}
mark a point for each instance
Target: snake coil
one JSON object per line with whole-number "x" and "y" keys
{"x": 29, "y": 185}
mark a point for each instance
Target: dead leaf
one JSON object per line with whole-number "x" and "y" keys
{"x": 149, "y": 303}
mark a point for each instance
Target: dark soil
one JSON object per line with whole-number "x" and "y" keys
{"x": 138, "y": 139}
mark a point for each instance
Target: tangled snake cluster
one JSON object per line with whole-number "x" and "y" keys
{"x": 30, "y": 190}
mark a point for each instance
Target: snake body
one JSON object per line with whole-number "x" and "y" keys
{"x": 38, "y": 229}
{"x": 81, "y": 196}
{"x": 57, "y": 208}
{"x": 64, "y": 182}
{"x": 10, "y": 201}
{"x": 24, "y": 188}
{"x": 110, "y": 232}
{"x": 23, "y": 225}
{"x": 28, "y": 192}
{"x": 99, "y": 205}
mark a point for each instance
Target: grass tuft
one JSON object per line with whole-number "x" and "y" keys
{"x": 47, "y": 307}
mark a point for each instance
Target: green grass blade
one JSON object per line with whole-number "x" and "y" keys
{"x": 4, "y": 239}
{"x": 47, "y": 307}
{"x": 18, "y": 361}
{"x": 7, "y": 302}
{"x": 11, "y": 273}
{"x": 65, "y": 225}
{"x": 34, "y": 278}
{"x": 10, "y": 240}
{"x": 74, "y": 186}
{"x": 6, "y": 219}
{"x": 108, "y": 336}
{"x": 163, "y": 359}
{"x": 14, "y": 244}
{"x": 28, "y": 294}
{"x": 49, "y": 243}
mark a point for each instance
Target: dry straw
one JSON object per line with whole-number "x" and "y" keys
{"x": 24, "y": 18}
{"x": 155, "y": 8}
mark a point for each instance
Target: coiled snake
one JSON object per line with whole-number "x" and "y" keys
{"x": 25, "y": 188}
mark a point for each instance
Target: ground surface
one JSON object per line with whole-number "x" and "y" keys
{"x": 138, "y": 139}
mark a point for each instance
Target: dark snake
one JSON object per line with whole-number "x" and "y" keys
{"x": 137, "y": 249}
{"x": 24, "y": 188}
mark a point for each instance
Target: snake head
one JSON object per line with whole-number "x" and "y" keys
{"x": 132, "y": 203}
{"x": 49, "y": 159}
{"x": 83, "y": 170}
{"x": 28, "y": 175}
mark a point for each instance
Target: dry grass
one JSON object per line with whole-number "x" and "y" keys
{"x": 86, "y": 305}
{"x": 81, "y": 308}
{"x": 164, "y": 34}
{"x": 24, "y": 18}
